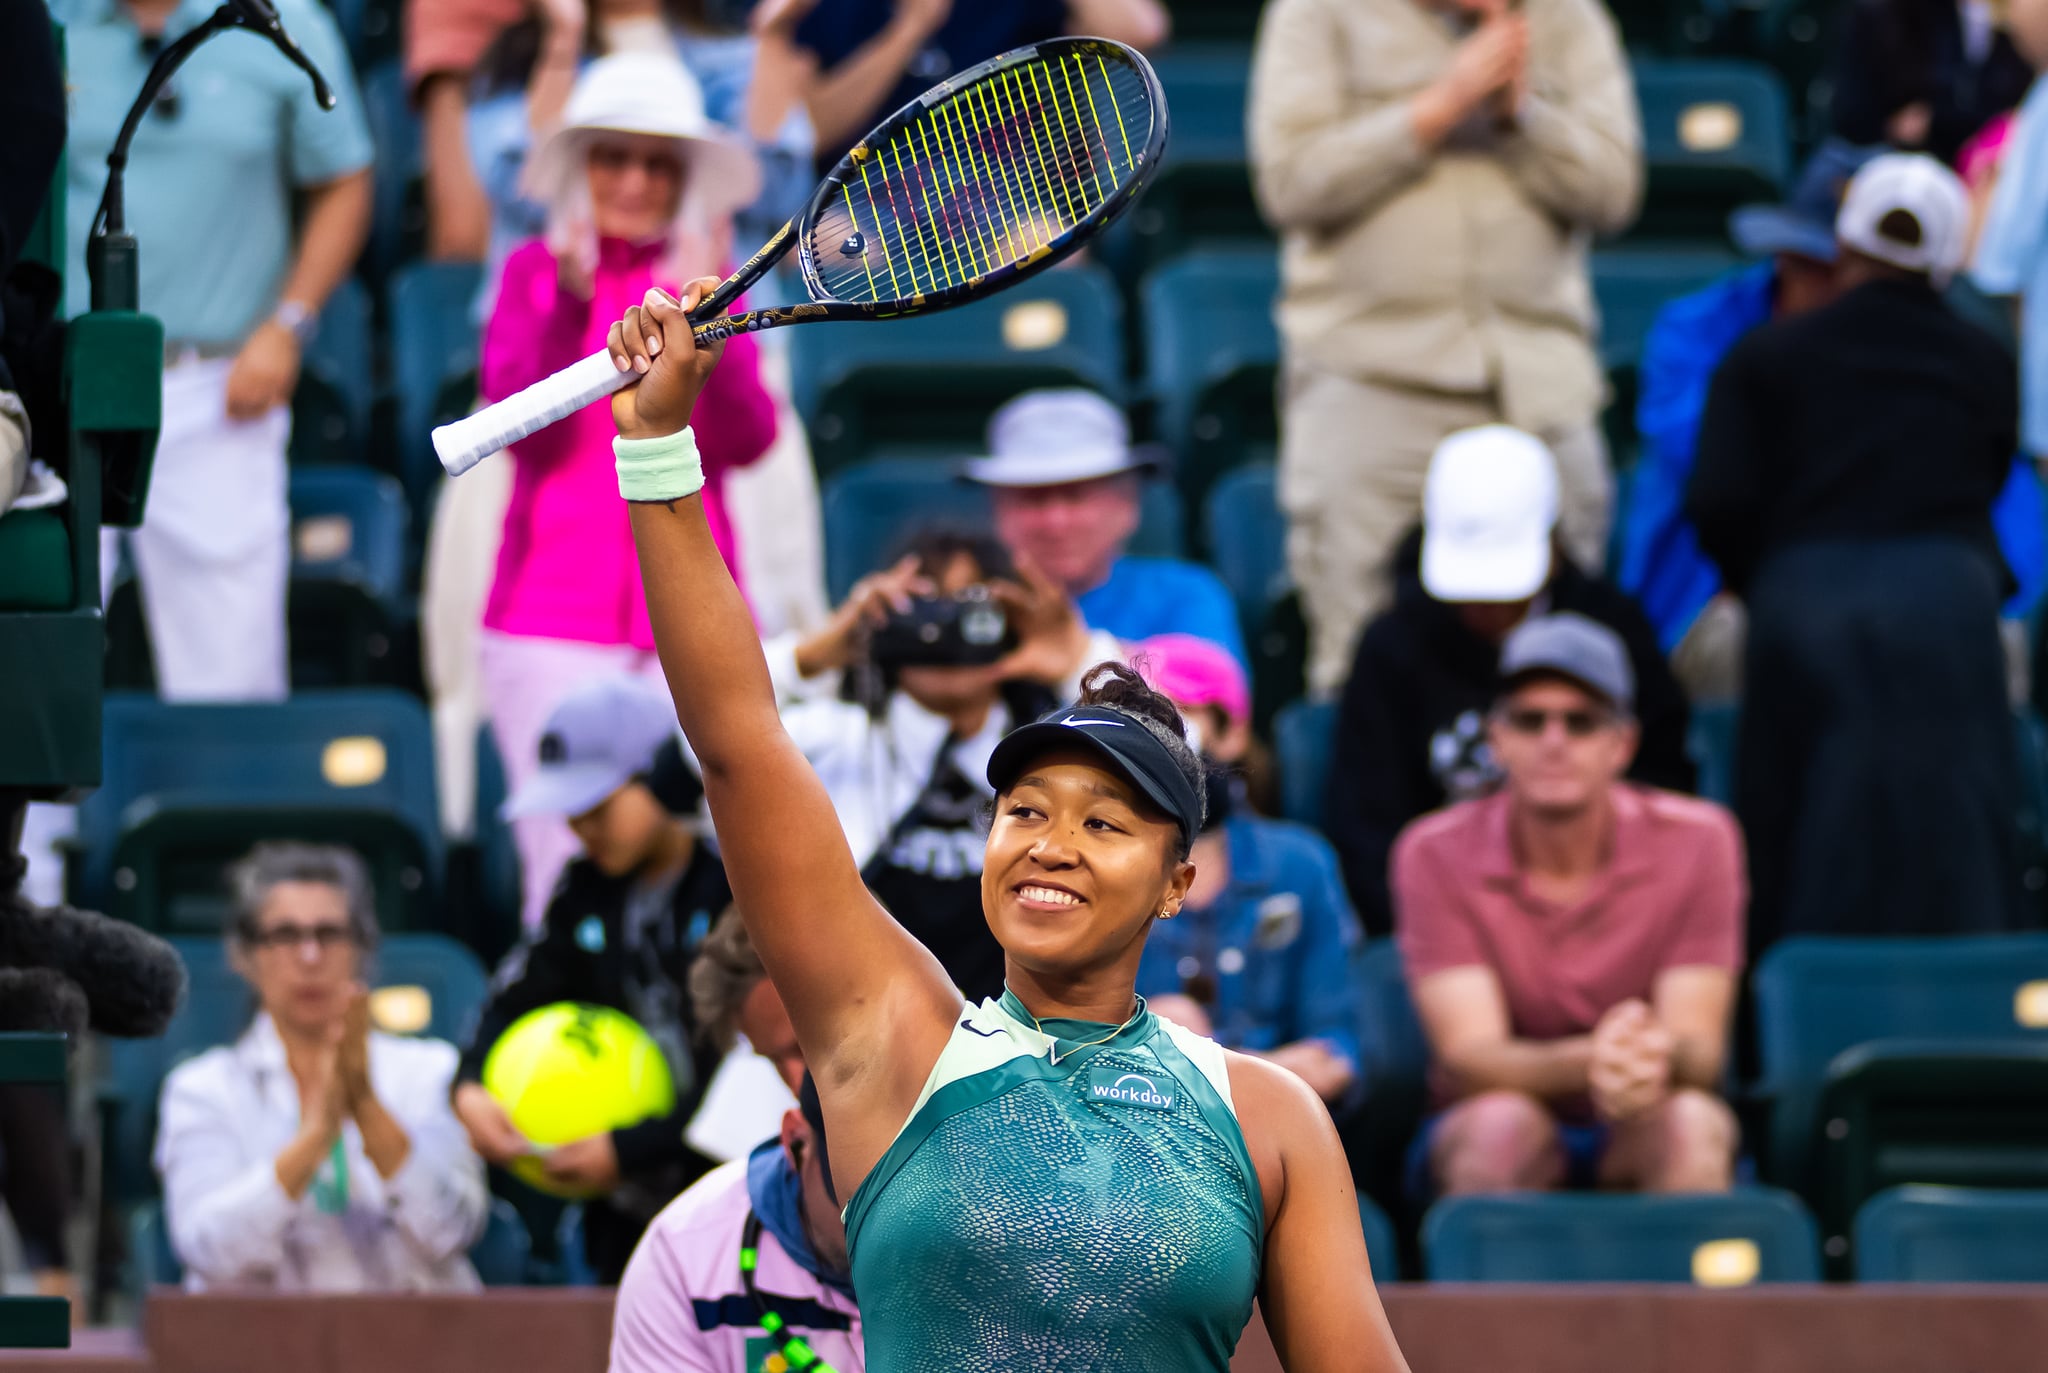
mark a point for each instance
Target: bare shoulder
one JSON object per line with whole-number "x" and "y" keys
{"x": 1287, "y": 1129}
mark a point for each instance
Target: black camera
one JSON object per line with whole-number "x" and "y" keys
{"x": 967, "y": 629}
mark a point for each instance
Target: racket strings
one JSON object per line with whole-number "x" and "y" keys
{"x": 984, "y": 179}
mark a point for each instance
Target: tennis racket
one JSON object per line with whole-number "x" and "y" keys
{"x": 979, "y": 183}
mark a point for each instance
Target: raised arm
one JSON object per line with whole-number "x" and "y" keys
{"x": 871, "y": 1007}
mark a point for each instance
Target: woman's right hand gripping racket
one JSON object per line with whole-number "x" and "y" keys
{"x": 979, "y": 183}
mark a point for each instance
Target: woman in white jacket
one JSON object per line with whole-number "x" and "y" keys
{"x": 313, "y": 1155}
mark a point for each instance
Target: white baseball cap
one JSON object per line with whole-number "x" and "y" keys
{"x": 1917, "y": 185}
{"x": 1488, "y": 507}
{"x": 1050, "y": 438}
{"x": 655, "y": 95}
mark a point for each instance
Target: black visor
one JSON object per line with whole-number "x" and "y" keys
{"x": 1124, "y": 742}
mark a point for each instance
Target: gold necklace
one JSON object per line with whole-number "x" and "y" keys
{"x": 1052, "y": 1052}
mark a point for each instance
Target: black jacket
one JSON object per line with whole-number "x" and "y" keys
{"x": 582, "y": 952}
{"x": 1896, "y": 53}
{"x": 1410, "y": 732}
{"x": 1882, "y": 415}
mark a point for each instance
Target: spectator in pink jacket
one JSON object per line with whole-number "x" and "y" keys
{"x": 641, "y": 189}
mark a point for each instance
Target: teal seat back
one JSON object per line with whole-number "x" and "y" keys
{"x": 1816, "y": 998}
{"x": 397, "y": 213}
{"x": 872, "y": 507}
{"x": 1381, "y": 1247}
{"x": 1301, "y": 741}
{"x": 349, "y": 526}
{"x": 1753, "y": 1235}
{"x": 1202, "y": 193}
{"x": 433, "y": 358}
{"x": 931, "y": 382}
{"x": 1716, "y": 135}
{"x": 1632, "y": 286}
{"x": 1710, "y": 740}
{"x": 1246, "y": 538}
{"x": 331, "y": 408}
{"x": 1212, "y": 355}
{"x": 1953, "y": 1234}
{"x": 363, "y": 749}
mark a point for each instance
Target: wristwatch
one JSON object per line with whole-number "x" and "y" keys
{"x": 302, "y": 322}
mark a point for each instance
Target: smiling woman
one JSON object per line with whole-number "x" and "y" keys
{"x": 1055, "y": 1179}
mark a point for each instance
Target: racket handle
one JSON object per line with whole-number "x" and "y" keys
{"x": 466, "y": 442}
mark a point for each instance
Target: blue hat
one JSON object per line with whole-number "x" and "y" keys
{"x": 1805, "y": 224}
{"x": 599, "y": 737}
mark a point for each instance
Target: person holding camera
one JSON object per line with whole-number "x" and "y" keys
{"x": 940, "y": 655}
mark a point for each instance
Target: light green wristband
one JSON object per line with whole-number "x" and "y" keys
{"x": 659, "y": 470}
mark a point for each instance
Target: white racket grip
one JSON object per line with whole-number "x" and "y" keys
{"x": 466, "y": 442}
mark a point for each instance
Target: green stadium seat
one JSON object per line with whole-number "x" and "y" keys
{"x": 930, "y": 383}
{"x": 433, "y": 363}
{"x": 1729, "y": 1240}
{"x": 421, "y": 984}
{"x": 1631, "y": 286}
{"x": 1279, "y": 660}
{"x": 1710, "y": 740}
{"x": 347, "y": 592}
{"x": 1799, "y": 39}
{"x": 871, "y": 507}
{"x": 1952, "y": 1234}
{"x": 1212, "y": 355}
{"x": 1301, "y": 747}
{"x": 354, "y": 766}
{"x": 1816, "y": 998}
{"x": 1202, "y": 193}
{"x": 1899, "y": 1111}
{"x": 331, "y": 408}
{"x": 1715, "y": 136}
{"x": 35, "y": 561}
{"x": 1246, "y": 537}
{"x": 398, "y": 209}
{"x": 498, "y": 854}
{"x": 1395, "y": 1069}
{"x": 1382, "y": 1250}
{"x": 1210, "y": 21}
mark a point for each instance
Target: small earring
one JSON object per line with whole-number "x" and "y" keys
{"x": 1166, "y": 912}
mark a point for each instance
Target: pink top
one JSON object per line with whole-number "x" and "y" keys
{"x": 566, "y": 567}
{"x": 682, "y": 1307}
{"x": 1673, "y": 896}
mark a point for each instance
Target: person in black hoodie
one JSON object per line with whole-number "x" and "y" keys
{"x": 1411, "y": 723}
{"x": 621, "y": 929}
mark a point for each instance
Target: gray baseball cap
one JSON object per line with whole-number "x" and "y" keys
{"x": 599, "y": 737}
{"x": 1571, "y": 646}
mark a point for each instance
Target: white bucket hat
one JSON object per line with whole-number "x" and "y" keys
{"x": 1051, "y": 438}
{"x": 655, "y": 96}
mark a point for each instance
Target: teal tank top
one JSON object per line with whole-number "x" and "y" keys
{"x": 1054, "y": 1206}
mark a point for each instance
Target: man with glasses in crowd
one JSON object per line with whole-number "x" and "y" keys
{"x": 1572, "y": 942}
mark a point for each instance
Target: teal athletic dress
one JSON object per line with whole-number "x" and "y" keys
{"x": 1054, "y": 1206}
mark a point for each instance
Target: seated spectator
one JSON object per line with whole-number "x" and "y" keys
{"x": 1437, "y": 170}
{"x": 1661, "y": 563}
{"x": 620, "y": 930}
{"x": 1848, "y": 462}
{"x": 1924, "y": 75}
{"x": 1064, "y": 480}
{"x": 756, "y": 1239}
{"x": 874, "y": 56}
{"x": 313, "y": 1154}
{"x": 1411, "y": 729}
{"x": 732, "y": 996}
{"x": 903, "y": 749}
{"x": 1572, "y": 943}
{"x": 1259, "y": 956}
{"x": 641, "y": 189}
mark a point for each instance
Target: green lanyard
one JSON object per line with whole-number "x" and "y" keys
{"x": 330, "y": 1187}
{"x": 796, "y": 1356}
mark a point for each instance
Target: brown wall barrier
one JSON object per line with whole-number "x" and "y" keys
{"x": 1443, "y": 1329}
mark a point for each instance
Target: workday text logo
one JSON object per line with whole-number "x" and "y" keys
{"x": 1130, "y": 1089}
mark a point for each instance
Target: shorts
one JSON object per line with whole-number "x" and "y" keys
{"x": 1585, "y": 1145}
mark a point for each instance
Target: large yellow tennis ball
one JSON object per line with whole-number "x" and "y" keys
{"x": 568, "y": 1071}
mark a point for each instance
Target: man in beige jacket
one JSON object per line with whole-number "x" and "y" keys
{"x": 1436, "y": 168}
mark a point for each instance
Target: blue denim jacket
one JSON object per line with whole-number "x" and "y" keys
{"x": 1277, "y": 944}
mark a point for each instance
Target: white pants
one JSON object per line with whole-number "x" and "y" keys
{"x": 213, "y": 552}
{"x": 524, "y": 679}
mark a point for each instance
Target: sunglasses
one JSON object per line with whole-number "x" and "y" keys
{"x": 615, "y": 157}
{"x": 1579, "y": 724}
{"x": 327, "y": 938}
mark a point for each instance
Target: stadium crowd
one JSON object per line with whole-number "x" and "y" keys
{"x": 1827, "y": 512}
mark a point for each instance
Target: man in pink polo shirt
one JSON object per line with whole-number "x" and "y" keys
{"x": 1572, "y": 942}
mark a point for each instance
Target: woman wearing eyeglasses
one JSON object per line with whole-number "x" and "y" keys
{"x": 313, "y": 1155}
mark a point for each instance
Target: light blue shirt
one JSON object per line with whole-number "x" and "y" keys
{"x": 2012, "y": 257}
{"x": 1147, "y": 596}
{"x": 209, "y": 188}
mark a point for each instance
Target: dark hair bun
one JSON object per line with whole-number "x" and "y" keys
{"x": 1117, "y": 687}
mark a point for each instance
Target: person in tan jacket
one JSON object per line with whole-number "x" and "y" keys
{"x": 1436, "y": 169}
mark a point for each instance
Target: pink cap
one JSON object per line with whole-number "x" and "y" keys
{"x": 1195, "y": 672}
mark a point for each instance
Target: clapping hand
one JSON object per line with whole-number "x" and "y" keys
{"x": 1631, "y": 1066}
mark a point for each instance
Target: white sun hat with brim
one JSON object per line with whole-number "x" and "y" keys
{"x": 654, "y": 96}
{"x": 1057, "y": 437}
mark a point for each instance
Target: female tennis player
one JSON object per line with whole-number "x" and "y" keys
{"x": 1056, "y": 1180}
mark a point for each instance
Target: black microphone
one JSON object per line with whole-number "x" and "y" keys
{"x": 126, "y": 981}
{"x": 260, "y": 16}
